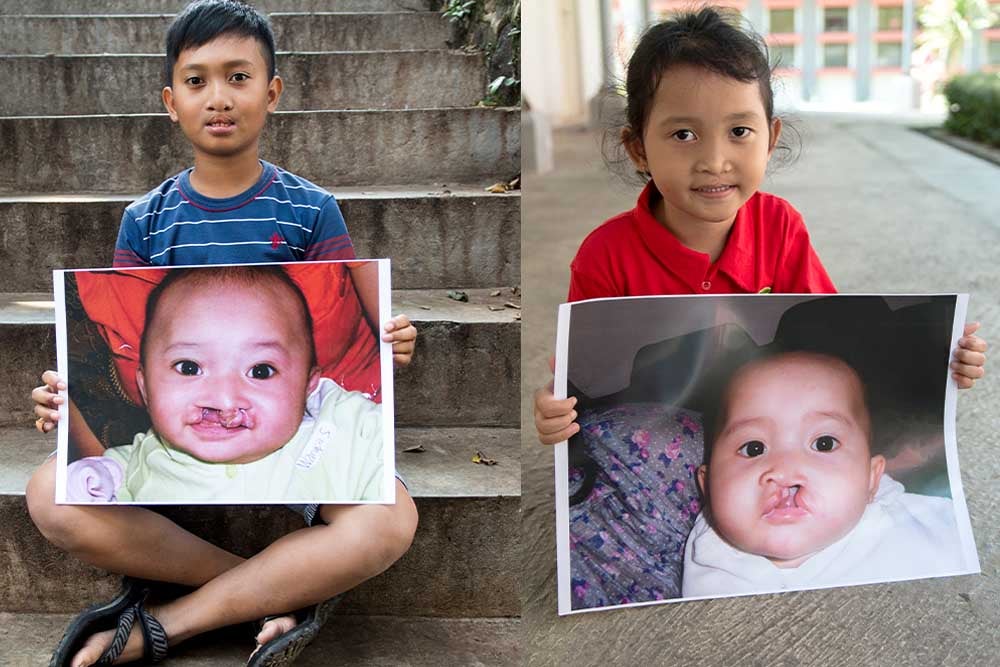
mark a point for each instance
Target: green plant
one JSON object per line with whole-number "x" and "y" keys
{"x": 948, "y": 26}
{"x": 974, "y": 107}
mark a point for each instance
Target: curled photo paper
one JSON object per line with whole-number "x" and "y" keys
{"x": 744, "y": 444}
{"x": 251, "y": 383}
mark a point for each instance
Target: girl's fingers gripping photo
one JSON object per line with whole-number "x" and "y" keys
{"x": 969, "y": 359}
{"x": 555, "y": 419}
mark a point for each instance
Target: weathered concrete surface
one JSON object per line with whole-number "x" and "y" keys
{"x": 321, "y": 31}
{"x": 77, "y": 85}
{"x": 477, "y": 387}
{"x": 463, "y": 561}
{"x": 888, "y": 210}
{"x": 26, "y": 640}
{"x": 128, "y": 153}
{"x": 466, "y": 238}
{"x": 172, "y": 6}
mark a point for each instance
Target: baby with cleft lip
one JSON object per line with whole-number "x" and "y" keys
{"x": 794, "y": 497}
{"x": 239, "y": 411}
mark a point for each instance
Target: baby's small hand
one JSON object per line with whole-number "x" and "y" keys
{"x": 403, "y": 337}
{"x": 47, "y": 401}
{"x": 969, "y": 358}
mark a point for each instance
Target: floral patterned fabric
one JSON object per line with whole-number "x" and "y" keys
{"x": 627, "y": 536}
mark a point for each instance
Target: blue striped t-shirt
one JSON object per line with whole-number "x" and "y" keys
{"x": 281, "y": 218}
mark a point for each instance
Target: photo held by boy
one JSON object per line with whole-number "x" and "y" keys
{"x": 235, "y": 207}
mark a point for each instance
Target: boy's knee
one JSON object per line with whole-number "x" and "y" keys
{"x": 57, "y": 523}
{"x": 404, "y": 526}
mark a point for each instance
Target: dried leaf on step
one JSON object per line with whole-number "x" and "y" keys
{"x": 416, "y": 449}
{"x": 425, "y": 307}
{"x": 515, "y": 290}
{"x": 495, "y": 292}
{"x": 495, "y": 308}
{"x": 497, "y": 188}
{"x": 511, "y": 304}
{"x": 458, "y": 295}
{"x": 517, "y": 315}
{"x": 514, "y": 183}
{"x": 482, "y": 459}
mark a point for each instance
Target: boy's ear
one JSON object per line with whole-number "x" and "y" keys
{"x": 274, "y": 93}
{"x": 775, "y": 133}
{"x": 168, "y": 102}
{"x": 877, "y": 468}
{"x": 636, "y": 151}
{"x": 141, "y": 382}
{"x": 700, "y": 477}
{"x": 314, "y": 376}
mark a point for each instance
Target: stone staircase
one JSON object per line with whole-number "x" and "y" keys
{"x": 379, "y": 111}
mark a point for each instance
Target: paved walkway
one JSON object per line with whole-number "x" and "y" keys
{"x": 889, "y": 210}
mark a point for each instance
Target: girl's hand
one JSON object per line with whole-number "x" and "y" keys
{"x": 969, "y": 358}
{"x": 555, "y": 419}
{"x": 403, "y": 337}
{"x": 47, "y": 401}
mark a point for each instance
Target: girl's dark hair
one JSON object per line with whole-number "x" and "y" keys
{"x": 716, "y": 40}
{"x": 210, "y": 276}
{"x": 204, "y": 20}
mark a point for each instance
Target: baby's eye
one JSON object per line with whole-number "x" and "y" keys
{"x": 263, "y": 371}
{"x": 752, "y": 449}
{"x": 825, "y": 443}
{"x": 240, "y": 76}
{"x": 187, "y": 367}
{"x": 683, "y": 135}
{"x": 741, "y": 132}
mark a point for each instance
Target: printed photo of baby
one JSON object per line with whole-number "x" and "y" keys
{"x": 757, "y": 444}
{"x": 242, "y": 404}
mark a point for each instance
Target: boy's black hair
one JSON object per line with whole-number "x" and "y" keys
{"x": 204, "y": 20}
{"x": 712, "y": 39}
{"x": 249, "y": 275}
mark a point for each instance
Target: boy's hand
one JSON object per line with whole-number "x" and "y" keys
{"x": 47, "y": 401}
{"x": 969, "y": 357}
{"x": 555, "y": 419}
{"x": 403, "y": 337}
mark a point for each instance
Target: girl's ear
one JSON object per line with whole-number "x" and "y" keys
{"x": 775, "y": 133}
{"x": 877, "y": 468}
{"x": 636, "y": 151}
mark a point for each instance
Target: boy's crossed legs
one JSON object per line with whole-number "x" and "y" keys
{"x": 298, "y": 570}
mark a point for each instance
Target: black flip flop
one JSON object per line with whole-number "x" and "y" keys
{"x": 283, "y": 649}
{"x": 96, "y": 619}
{"x": 154, "y": 647}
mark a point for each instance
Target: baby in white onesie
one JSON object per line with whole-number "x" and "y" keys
{"x": 794, "y": 496}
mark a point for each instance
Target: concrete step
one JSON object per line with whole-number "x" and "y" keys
{"x": 126, "y": 154}
{"x": 464, "y": 560}
{"x": 320, "y": 31}
{"x": 173, "y": 6}
{"x": 360, "y": 641}
{"x": 465, "y": 370}
{"x": 75, "y": 85}
{"x": 436, "y": 237}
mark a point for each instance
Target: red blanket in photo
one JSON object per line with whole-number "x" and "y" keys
{"x": 346, "y": 347}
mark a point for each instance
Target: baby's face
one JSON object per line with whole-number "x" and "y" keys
{"x": 791, "y": 470}
{"x": 227, "y": 369}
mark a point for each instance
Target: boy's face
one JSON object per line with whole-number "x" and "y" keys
{"x": 227, "y": 369}
{"x": 706, "y": 143}
{"x": 791, "y": 470}
{"x": 221, "y": 94}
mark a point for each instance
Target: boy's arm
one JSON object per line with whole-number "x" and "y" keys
{"x": 398, "y": 330}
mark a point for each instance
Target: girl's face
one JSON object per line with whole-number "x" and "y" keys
{"x": 706, "y": 143}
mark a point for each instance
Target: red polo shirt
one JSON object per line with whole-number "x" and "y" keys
{"x": 632, "y": 254}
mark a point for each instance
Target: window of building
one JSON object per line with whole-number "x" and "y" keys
{"x": 782, "y": 55}
{"x": 890, "y": 18}
{"x": 889, "y": 54}
{"x": 782, "y": 20}
{"x": 835, "y": 19}
{"x": 993, "y": 52}
{"x": 835, "y": 55}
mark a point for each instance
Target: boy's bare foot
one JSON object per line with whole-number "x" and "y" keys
{"x": 98, "y": 643}
{"x": 275, "y": 627}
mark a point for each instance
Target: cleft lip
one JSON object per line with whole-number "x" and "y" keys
{"x": 787, "y": 499}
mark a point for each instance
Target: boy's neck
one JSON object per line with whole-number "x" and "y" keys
{"x": 218, "y": 177}
{"x": 706, "y": 237}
